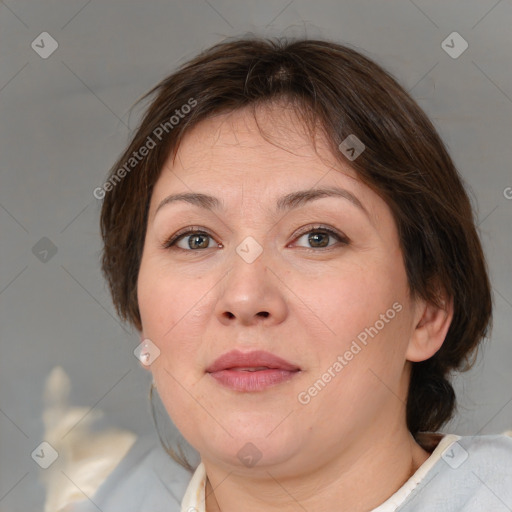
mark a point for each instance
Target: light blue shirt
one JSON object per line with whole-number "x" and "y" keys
{"x": 469, "y": 474}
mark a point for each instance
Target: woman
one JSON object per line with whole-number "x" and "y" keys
{"x": 292, "y": 241}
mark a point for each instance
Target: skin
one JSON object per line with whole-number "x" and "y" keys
{"x": 349, "y": 447}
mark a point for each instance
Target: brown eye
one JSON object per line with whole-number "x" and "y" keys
{"x": 198, "y": 241}
{"x": 191, "y": 240}
{"x": 318, "y": 238}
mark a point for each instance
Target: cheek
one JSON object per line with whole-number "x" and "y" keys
{"x": 349, "y": 299}
{"x": 162, "y": 295}
{"x": 358, "y": 378}
{"x": 361, "y": 311}
{"x": 174, "y": 312}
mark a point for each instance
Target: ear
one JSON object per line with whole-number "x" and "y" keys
{"x": 431, "y": 325}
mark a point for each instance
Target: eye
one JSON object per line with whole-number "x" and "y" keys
{"x": 192, "y": 239}
{"x": 318, "y": 237}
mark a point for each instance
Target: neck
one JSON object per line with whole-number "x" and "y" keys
{"x": 359, "y": 480}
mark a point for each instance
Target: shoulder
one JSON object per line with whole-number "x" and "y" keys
{"x": 471, "y": 473}
{"x": 484, "y": 454}
{"x": 146, "y": 480}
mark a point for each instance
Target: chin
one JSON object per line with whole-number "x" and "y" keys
{"x": 253, "y": 447}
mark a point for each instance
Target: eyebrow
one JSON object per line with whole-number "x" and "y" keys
{"x": 288, "y": 202}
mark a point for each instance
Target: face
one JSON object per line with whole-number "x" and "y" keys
{"x": 317, "y": 281}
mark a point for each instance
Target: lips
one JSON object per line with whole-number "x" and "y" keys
{"x": 251, "y": 371}
{"x": 250, "y": 361}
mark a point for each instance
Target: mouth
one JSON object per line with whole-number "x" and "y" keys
{"x": 259, "y": 368}
{"x": 251, "y": 371}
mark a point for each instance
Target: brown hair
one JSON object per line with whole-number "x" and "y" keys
{"x": 405, "y": 162}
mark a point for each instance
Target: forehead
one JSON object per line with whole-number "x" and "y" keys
{"x": 245, "y": 157}
{"x": 271, "y": 144}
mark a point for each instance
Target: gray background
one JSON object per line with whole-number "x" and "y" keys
{"x": 65, "y": 119}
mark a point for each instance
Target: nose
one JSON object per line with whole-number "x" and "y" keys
{"x": 251, "y": 293}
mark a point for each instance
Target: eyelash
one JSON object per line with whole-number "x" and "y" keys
{"x": 170, "y": 243}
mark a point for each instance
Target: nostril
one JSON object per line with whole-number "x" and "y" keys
{"x": 265, "y": 314}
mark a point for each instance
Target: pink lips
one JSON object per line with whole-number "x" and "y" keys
{"x": 251, "y": 371}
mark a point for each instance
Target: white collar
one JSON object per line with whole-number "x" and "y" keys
{"x": 194, "y": 498}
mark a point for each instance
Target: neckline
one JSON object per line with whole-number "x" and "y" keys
{"x": 194, "y": 498}
{"x": 444, "y": 441}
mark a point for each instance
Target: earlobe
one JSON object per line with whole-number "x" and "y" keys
{"x": 430, "y": 330}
